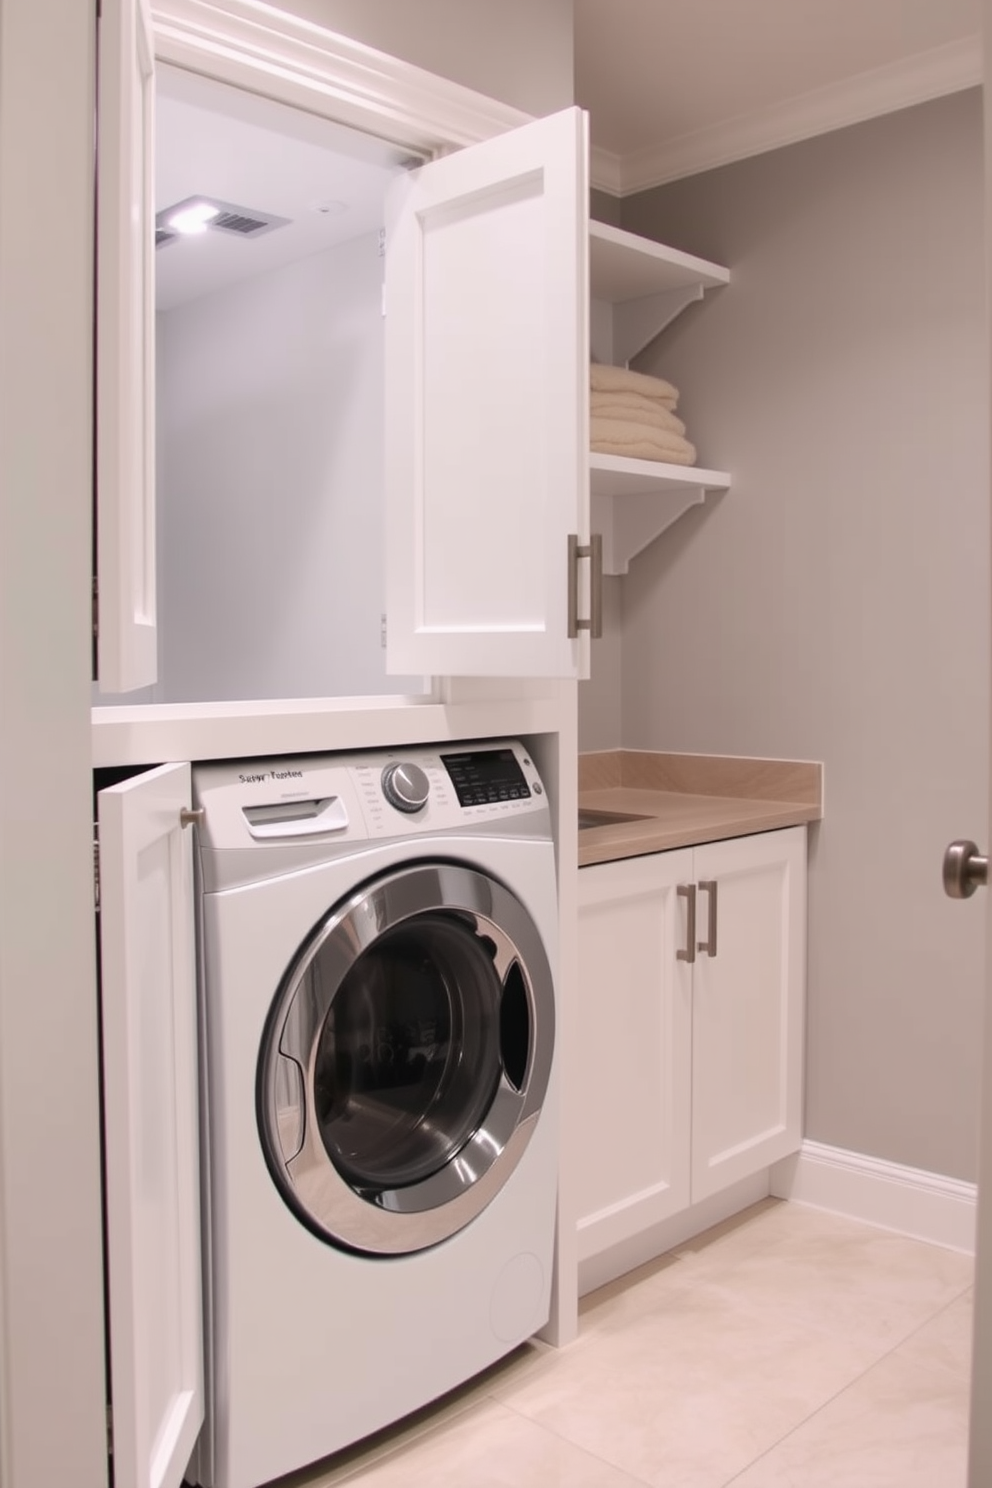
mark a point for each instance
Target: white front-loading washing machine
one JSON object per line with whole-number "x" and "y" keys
{"x": 377, "y": 939}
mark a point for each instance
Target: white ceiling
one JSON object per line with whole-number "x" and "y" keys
{"x": 675, "y": 86}
{"x": 215, "y": 141}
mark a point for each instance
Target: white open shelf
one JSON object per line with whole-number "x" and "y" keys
{"x": 645, "y": 285}
{"x": 633, "y": 501}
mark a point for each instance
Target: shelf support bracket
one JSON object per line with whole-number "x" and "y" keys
{"x": 636, "y": 323}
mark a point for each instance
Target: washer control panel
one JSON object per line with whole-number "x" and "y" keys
{"x": 371, "y": 794}
{"x": 418, "y": 788}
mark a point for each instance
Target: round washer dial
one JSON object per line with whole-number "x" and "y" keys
{"x": 405, "y": 786}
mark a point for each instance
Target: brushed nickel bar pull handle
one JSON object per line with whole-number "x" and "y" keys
{"x": 593, "y": 551}
{"x": 596, "y": 585}
{"x": 688, "y": 893}
{"x": 708, "y": 886}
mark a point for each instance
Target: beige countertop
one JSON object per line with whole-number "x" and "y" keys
{"x": 683, "y": 799}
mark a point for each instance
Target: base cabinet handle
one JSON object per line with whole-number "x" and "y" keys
{"x": 688, "y": 893}
{"x": 708, "y": 886}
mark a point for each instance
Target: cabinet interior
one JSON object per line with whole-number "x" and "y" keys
{"x": 269, "y": 400}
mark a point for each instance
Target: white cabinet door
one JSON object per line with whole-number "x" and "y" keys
{"x": 127, "y": 654}
{"x": 148, "y": 1009}
{"x": 690, "y": 1074}
{"x": 748, "y": 1007}
{"x": 631, "y": 1124}
{"x": 486, "y": 373}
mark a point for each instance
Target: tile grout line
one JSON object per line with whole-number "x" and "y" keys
{"x": 576, "y": 1446}
{"x": 856, "y": 1379}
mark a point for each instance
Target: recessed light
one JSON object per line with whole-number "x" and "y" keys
{"x": 193, "y": 219}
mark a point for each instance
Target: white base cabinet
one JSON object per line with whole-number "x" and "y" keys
{"x": 691, "y": 998}
{"x": 631, "y": 1127}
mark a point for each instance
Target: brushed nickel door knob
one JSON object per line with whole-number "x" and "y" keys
{"x": 964, "y": 869}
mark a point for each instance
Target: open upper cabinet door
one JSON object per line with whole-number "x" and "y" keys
{"x": 486, "y": 395}
{"x": 127, "y": 655}
{"x": 151, "y": 1153}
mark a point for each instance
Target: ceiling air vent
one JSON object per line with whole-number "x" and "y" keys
{"x": 210, "y": 214}
{"x": 163, "y": 237}
{"x": 240, "y": 222}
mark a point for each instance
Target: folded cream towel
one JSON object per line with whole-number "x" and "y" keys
{"x": 606, "y": 379}
{"x": 631, "y": 408}
{"x": 609, "y": 436}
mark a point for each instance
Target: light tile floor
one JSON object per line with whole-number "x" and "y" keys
{"x": 785, "y": 1347}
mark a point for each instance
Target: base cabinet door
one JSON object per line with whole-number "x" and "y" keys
{"x": 690, "y": 1042}
{"x": 151, "y": 1144}
{"x": 632, "y": 1119}
{"x": 748, "y": 996}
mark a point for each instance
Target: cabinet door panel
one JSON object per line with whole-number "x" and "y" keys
{"x": 486, "y": 366}
{"x": 148, "y": 1006}
{"x": 631, "y": 1121}
{"x": 748, "y": 1009}
{"x": 127, "y": 655}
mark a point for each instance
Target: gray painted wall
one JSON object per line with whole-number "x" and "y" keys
{"x": 514, "y": 50}
{"x": 834, "y": 604}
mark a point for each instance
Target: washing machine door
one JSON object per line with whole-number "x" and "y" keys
{"x": 406, "y": 1058}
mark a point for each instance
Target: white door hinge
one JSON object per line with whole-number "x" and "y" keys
{"x": 382, "y": 631}
{"x": 96, "y": 868}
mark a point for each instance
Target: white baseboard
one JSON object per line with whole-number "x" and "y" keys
{"x": 922, "y": 1205}
{"x": 597, "y": 1270}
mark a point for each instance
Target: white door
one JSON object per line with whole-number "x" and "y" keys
{"x": 127, "y": 655}
{"x": 486, "y": 373}
{"x": 629, "y": 1130}
{"x": 748, "y": 1005}
{"x": 148, "y": 1012}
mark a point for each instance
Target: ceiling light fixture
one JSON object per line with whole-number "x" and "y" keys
{"x": 194, "y": 218}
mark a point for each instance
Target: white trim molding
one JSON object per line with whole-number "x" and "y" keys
{"x": 883, "y": 90}
{"x": 605, "y": 170}
{"x": 254, "y": 45}
{"x": 617, "y": 1260}
{"x": 925, "y": 1206}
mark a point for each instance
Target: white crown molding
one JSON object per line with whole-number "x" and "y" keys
{"x": 925, "y": 1206}
{"x": 605, "y": 171}
{"x": 945, "y": 69}
{"x": 254, "y": 45}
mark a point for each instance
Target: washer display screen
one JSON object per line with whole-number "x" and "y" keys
{"x": 481, "y": 776}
